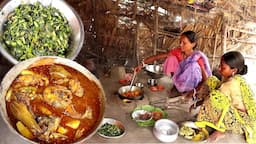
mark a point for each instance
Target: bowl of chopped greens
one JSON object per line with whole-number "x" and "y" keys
{"x": 31, "y": 28}
{"x": 111, "y": 128}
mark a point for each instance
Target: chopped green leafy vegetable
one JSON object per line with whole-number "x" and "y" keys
{"x": 34, "y": 30}
{"x": 110, "y": 130}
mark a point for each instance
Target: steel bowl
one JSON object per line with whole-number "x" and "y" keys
{"x": 152, "y": 82}
{"x": 77, "y": 37}
{"x": 166, "y": 130}
{"x": 155, "y": 71}
{"x": 140, "y": 85}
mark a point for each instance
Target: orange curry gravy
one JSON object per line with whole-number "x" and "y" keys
{"x": 92, "y": 98}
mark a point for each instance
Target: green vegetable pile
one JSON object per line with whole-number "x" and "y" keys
{"x": 110, "y": 130}
{"x": 34, "y": 30}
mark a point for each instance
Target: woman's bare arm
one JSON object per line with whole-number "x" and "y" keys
{"x": 155, "y": 57}
{"x": 150, "y": 60}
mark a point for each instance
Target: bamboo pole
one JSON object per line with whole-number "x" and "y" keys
{"x": 214, "y": 50}
{"x": 155, "y": 28}
{"x": 116, "y": 26}
{"x": 224, "y": 47}
{"x": 135, "y": 42}
{"x": 95, "y": 44}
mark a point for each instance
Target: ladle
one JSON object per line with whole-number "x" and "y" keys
{"x": 133, "y": 77}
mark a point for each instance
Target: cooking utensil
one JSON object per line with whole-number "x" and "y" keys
{"x": 44, "y": 60}
{"x": 124, "y": 89}
{"x": 141, "y": 115}
{"x": 152, "y": 82}
{"x": 115, "y": 122}
{"x": 77, "y": 37}
{"x": 157, "y": 113}
{"x": 155, "y": 71}
{"x": 166, "y": 130}
{"x": 140, "y": 85}
{"x": 133, "y": 77}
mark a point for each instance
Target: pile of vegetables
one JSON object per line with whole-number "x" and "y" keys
{"x": 34, "y": 30}
{"x": 111, "y": 130}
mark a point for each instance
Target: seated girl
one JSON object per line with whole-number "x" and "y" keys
{"x": 231, "y": 105}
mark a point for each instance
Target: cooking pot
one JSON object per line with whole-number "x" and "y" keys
{"x": 77, "y": 37}
{"x": 136, "y": 93}
{"x": 16, "y": 70}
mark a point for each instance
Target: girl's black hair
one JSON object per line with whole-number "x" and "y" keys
{"x": 191, "y": 35}
{"x": 235, "y": 60}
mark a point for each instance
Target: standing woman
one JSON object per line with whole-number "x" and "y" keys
{"x": 231, "y": 105}
{"x": 187, "y": 66}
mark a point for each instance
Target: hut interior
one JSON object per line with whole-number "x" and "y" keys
{"x": 124, "y": 32}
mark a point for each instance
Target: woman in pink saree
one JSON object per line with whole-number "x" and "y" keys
{"x": 187, "y": 67}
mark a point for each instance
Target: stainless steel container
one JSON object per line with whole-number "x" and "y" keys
{"x": 77, "y": 38}
{"x": 152, "y": 82}
{"x": 155, "y": 71}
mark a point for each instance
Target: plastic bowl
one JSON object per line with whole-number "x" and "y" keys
{"x": 166, "y": 130}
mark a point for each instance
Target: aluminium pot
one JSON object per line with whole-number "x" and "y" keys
{"x": 16, "y": 70}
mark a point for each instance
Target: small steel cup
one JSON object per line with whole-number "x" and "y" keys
{"x": 140, "y": 85}
{"x": 152, "y": 82}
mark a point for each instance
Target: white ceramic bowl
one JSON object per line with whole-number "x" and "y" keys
{"x": 166, "y": 130}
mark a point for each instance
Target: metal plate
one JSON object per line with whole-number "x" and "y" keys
{"x": 77, "y": 38}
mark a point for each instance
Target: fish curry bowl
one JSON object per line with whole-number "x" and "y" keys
{"x": 30, "y": 28}
{"x": 51, "y": 99}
